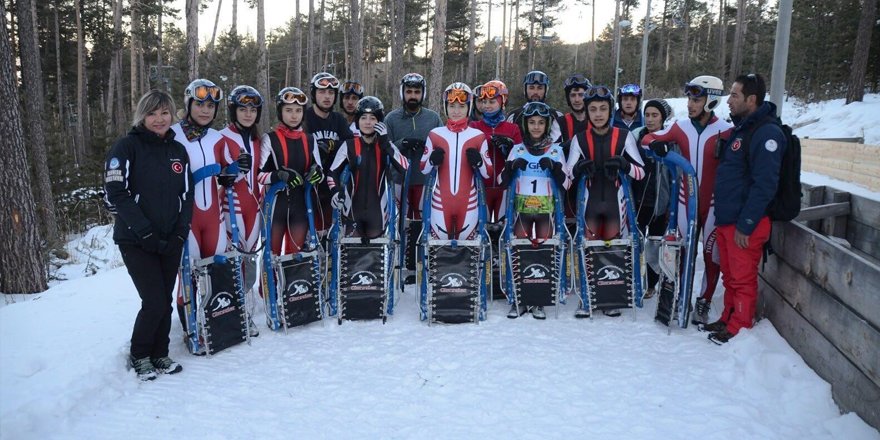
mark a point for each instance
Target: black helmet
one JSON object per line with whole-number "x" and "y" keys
{"x": 536, "y": 77}
{"x": 535, "y": 109}
{"x": 243, "y": 96}
{"x": 601, "y": 93}
{"x": 575, "y": 81}
{"x": 413, "y": 80}
{"x": 630, "y": 90}
{"x": 289, "y": 95}
{"x": 371, "y": 105}
{"x": 324, "y": 80}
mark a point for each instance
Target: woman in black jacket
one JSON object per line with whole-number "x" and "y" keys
{"x": 148, "y": 184}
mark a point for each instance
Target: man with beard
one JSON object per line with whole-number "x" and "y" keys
{"x": 535, "y": 86}
{"x": 329, "y": 129}
{"x": 350, "y": 93}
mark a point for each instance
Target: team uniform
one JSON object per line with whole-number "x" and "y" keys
{"x": 246, "y": 190}
{"x": 332, "y": 131}
{"x": 533, "y": 189}
{"x": 494, "y": 190}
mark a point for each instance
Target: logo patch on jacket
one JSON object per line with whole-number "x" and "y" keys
{"x": 771, "y": 145}
{"x": 736, "y": 144}
{"x": 114, "y": 163}
{"x": 177, "y": 167}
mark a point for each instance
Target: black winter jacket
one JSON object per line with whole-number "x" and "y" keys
{"x": 148, "y": 183}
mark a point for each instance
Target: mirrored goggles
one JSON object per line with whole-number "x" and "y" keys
{"x": 488, "y": 92}
{"x": 248, "y": 100}
{"x": 598, "y": 92}
{"x": 536, "y": 78}
{"x": 294, "y": 97}
{"x": 536, "y": 108}
{"x": 631, "y": 89}
{"x": 352, "y": 87}
{"x": 696, "y": 90}
{"x": 204, "y": 93}
{"x": 327, "y": 83}
{"x": 577, "y": 81}
{"x": 457, "y": 95}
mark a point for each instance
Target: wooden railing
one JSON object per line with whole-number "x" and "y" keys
{"x": 851, "y": 162}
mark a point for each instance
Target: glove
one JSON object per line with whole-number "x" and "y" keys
{"x": 381, "y": 129}
{"x": 584, "y": 167}
{"x": 316, "y": 175}
{"x": 546, "y": 163}
{"x": 338, "y": 201}
{"x": 279, "y": 176}
{"x": 615, "y": 164}
{"x": 473, "y": 157}
{"x": 173, "y": 246}
{"x": 226, "y": 178}
{"x": 326, "y": 145}
{"x": 296, "y": 179}
{"x": 519, "y": 164}
{"x": 151, "y": 243}
{"x": 436, "y": 157}
{"x": 244, "y": 163}
{"x": 660, "y": 148}
{"x": 412, "y": 145}
{"x": 503, "y": 143}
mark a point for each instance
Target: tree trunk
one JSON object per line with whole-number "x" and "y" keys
{"x": 322, "y": 53}
{"x": 21, "y": 262}
{"x": 209, "y": 52}
{"x": 192, "y": 39}
{"x": 722, "y": 38}
{"x": 531, "y": 54}
{"x": 856, "y": 89}
{"x": 438, "y": 50}
{"x": 33, "y": 119}
{"x": 263, "y": 59}
{"x": 298, "y": 48}
{"x": 397, "y": 45}
{"x": 736, "y": 57}
{"x": 357, "y": 43}
{"x": 472, "y": 48}
{"x": 312, "y": 61}
{"x": 237, "y": 45}
{"x": 81, "y": 117}
{"x": 59, "y": 97}
{"x": 134, "y": 92}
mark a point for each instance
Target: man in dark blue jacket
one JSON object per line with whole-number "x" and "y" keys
{"x": 748, "y": 175}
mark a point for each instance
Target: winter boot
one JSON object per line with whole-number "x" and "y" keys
{"x": 720, "y": 337}
{"x": 166, "y": 365}
{"x": 716, "y": 326}
{"x": 612, "y": 313}
{"x": 538, "y": 312}
{"x": 514, "y": 312}
{"x": 649, "y": 293}
{"x": 144, "y": 368}
{"x": 253, "y": 331}
{"x": 581, "y": 313}
{"x": 700, "y": 314}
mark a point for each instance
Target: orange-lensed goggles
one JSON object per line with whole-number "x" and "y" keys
{"x": 249, "y": 100}
{"x": 294, "y": 98}
{"x": 352, "y": 87}
{"x": 488, "y": 92}
{"x": 325, "y": 83}
{"x": 457, "y": 95}
{"x": 203, "y": 93}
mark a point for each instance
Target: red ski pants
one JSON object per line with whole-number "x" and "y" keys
{"x": 739, "y": 270}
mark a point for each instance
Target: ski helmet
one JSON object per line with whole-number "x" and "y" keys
{"x": 324, "y": 80}
{"x": 630, "y": 90}
{"x": 369, "y": 105}
{"x": 243, "y": 96}
{"x": 201, "y": 90}
{"x": 493, "y": 89}
{"x": 535, "y": 109}
{"x": 289, "y": 95}
{"x": 574, "y": 82}
{"x": 600, "y": 93}
{"x": 458, "y": 92}
{"x": 705, "y": 85}
{"x": 350, "y": 87}
{"x": 413, "y": 80}
{"x": 536, "y": 77}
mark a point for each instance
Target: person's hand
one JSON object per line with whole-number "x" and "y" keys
{"x": 172, "y": 246}
{"x": 412, "y": 145}
{"x": 244, "y": 162}
{"x": 436, "y": 157}
{"x": 151, "y": 243}
{"x": 338, "y": 201}
{"x": 295, "y": 180}
{"x": 618, "y": 163}
{"x": 316, "y": 175}
{"x": 226, "y": 178}
{"x": 584, "y": 167}
{"x": 473, "y": 157}
{"x": 503, "y": 143}
{"x": 326, "y": 145}
{"x": 381, "y": 129}
{"x": 741, "y": 240}
{"x": 660, "y": 148}
{"x": 546, "y": 163}
{"x": 279, "y": 176}
{"x": 520, "y": 164}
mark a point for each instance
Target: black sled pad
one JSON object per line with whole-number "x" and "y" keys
{"x": 537, "y": 277}
{"x": 454, "y": 283}
{"x": 362, "y": 282}
{"x": 225, "y": 321}
{"x": 609, "y": 272}
{"x": 300, "y": 301}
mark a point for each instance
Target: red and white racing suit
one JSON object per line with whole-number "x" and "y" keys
{"x": 494, "y": 191}
{"x": 246, "y": 191}
{"x": 454, "y": 206}
{"x": 699, "y": 148}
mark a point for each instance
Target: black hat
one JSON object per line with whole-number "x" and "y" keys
{"x": 662, "y": 106}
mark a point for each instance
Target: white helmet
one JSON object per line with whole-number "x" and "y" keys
{"x": 460, "y": 92}
{"x": 709, "y": 86}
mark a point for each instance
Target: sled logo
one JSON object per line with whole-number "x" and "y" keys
{"x": 452, "y": 283}
{"x": 610, "y": 276}
{"x": 362, "y": 280}
{"x": 221, "y": 304}
{"x": 177, "y": 167}
{"x": 536, "y": 273}
{"x": 298, "y": 287}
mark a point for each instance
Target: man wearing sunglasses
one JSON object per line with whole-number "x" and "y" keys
{"x": 350, "y": 93}
{"x": 698, "y": 138}
{"x": 330, "y": 130}
{"x": 535, "y": 85}
{"x": 629, "y": 103}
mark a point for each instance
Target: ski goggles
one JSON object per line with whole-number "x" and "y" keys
{"x": 413, "y": 80}
{"x": 597, "y": 92}
{"x": 352, "y": 87}
{"x": 204, "y": 93}
{"x": 327, "y": 83}
{"x": 536, "y": 77}
{"x": 696, "y": 90}
{"x": 577, "y": 81}
{"x": 457, "y": 95}
{"x": 536, "y": 108}
{"x": 294, "y": 96}
{"x": 247, "y": 100}
{"x": 630, "y": 89}
{"x": 488, "y": 92}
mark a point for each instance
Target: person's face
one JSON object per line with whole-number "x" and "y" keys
{"x": 737, "y": 102}
{"x": 489, "y": 105}
{"x": 535, "y": 92}
{"x": 576, "y": 97}
{"x": 412, "y": 96}
{"x": 202, "y": 113}
{"x": 653, "y": 119}
{"x": 536, "y": 125}
{"x": 292, "y": 115}
{"x": 158, "y": 121}
{"x": 246, "y": 116}
{"x": 367, "y": 123}
{"x": 457, "y": 111}
{"x": 349, "y": 103}
{"x": 695, "y": 106}
{"x": 598, "y": 111}
{"x": 628, "y": 104}
{"x": 324, "y": 98}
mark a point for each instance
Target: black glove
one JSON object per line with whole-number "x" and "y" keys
{"x": 503, "y": 143}
{"x": 546, "y": 163}
{"x": 436, "y": 157}
{"x": 615, "y": 164}
{"x": 660, "y": 148}
{"x": 173, "y": 246}
{"x": 519, "y": 164}
{"x": 226, "y": 178}
{"x": 473, "y": 157}
{"x": 412, "y": 145}
{"x": 244, "y": 162}
{"x": 279, "y": 176}
{"x": 584, "y": 167}
{"x": 295, "y": 180}
{"x": 316, "y": 175}
{"x": 151, "y": 243}
{"x": 326, "y": 146}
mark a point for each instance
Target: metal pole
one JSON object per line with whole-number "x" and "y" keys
{"x": 616, "y": 43}
{"x": 646, "y": 30}
{"x": 780, "y": 55}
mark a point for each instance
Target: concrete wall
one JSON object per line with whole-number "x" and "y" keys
{"x": 847, "y": 161}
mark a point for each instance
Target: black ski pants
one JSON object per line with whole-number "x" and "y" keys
{"x": 153, "y": 275}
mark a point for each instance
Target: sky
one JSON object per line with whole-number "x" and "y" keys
{"x": 573, "y": 27}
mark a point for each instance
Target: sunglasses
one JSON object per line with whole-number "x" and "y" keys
{"x": 457, "y": 95}
{"x": 327, "y": 83}
{"x": 248, "y": 100}
{"x": 539, "y": 109}
{"x": 352, "y": 87}
{"x": 631, "y": 89}
{"x": 696, "y": 91}
{"x": 577, "y": 81}
{"x": 203, "y": 93}
{"x": 488, "y": 92}
{"x": 294, "y": 97}
{"x": 598, "y": 92}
